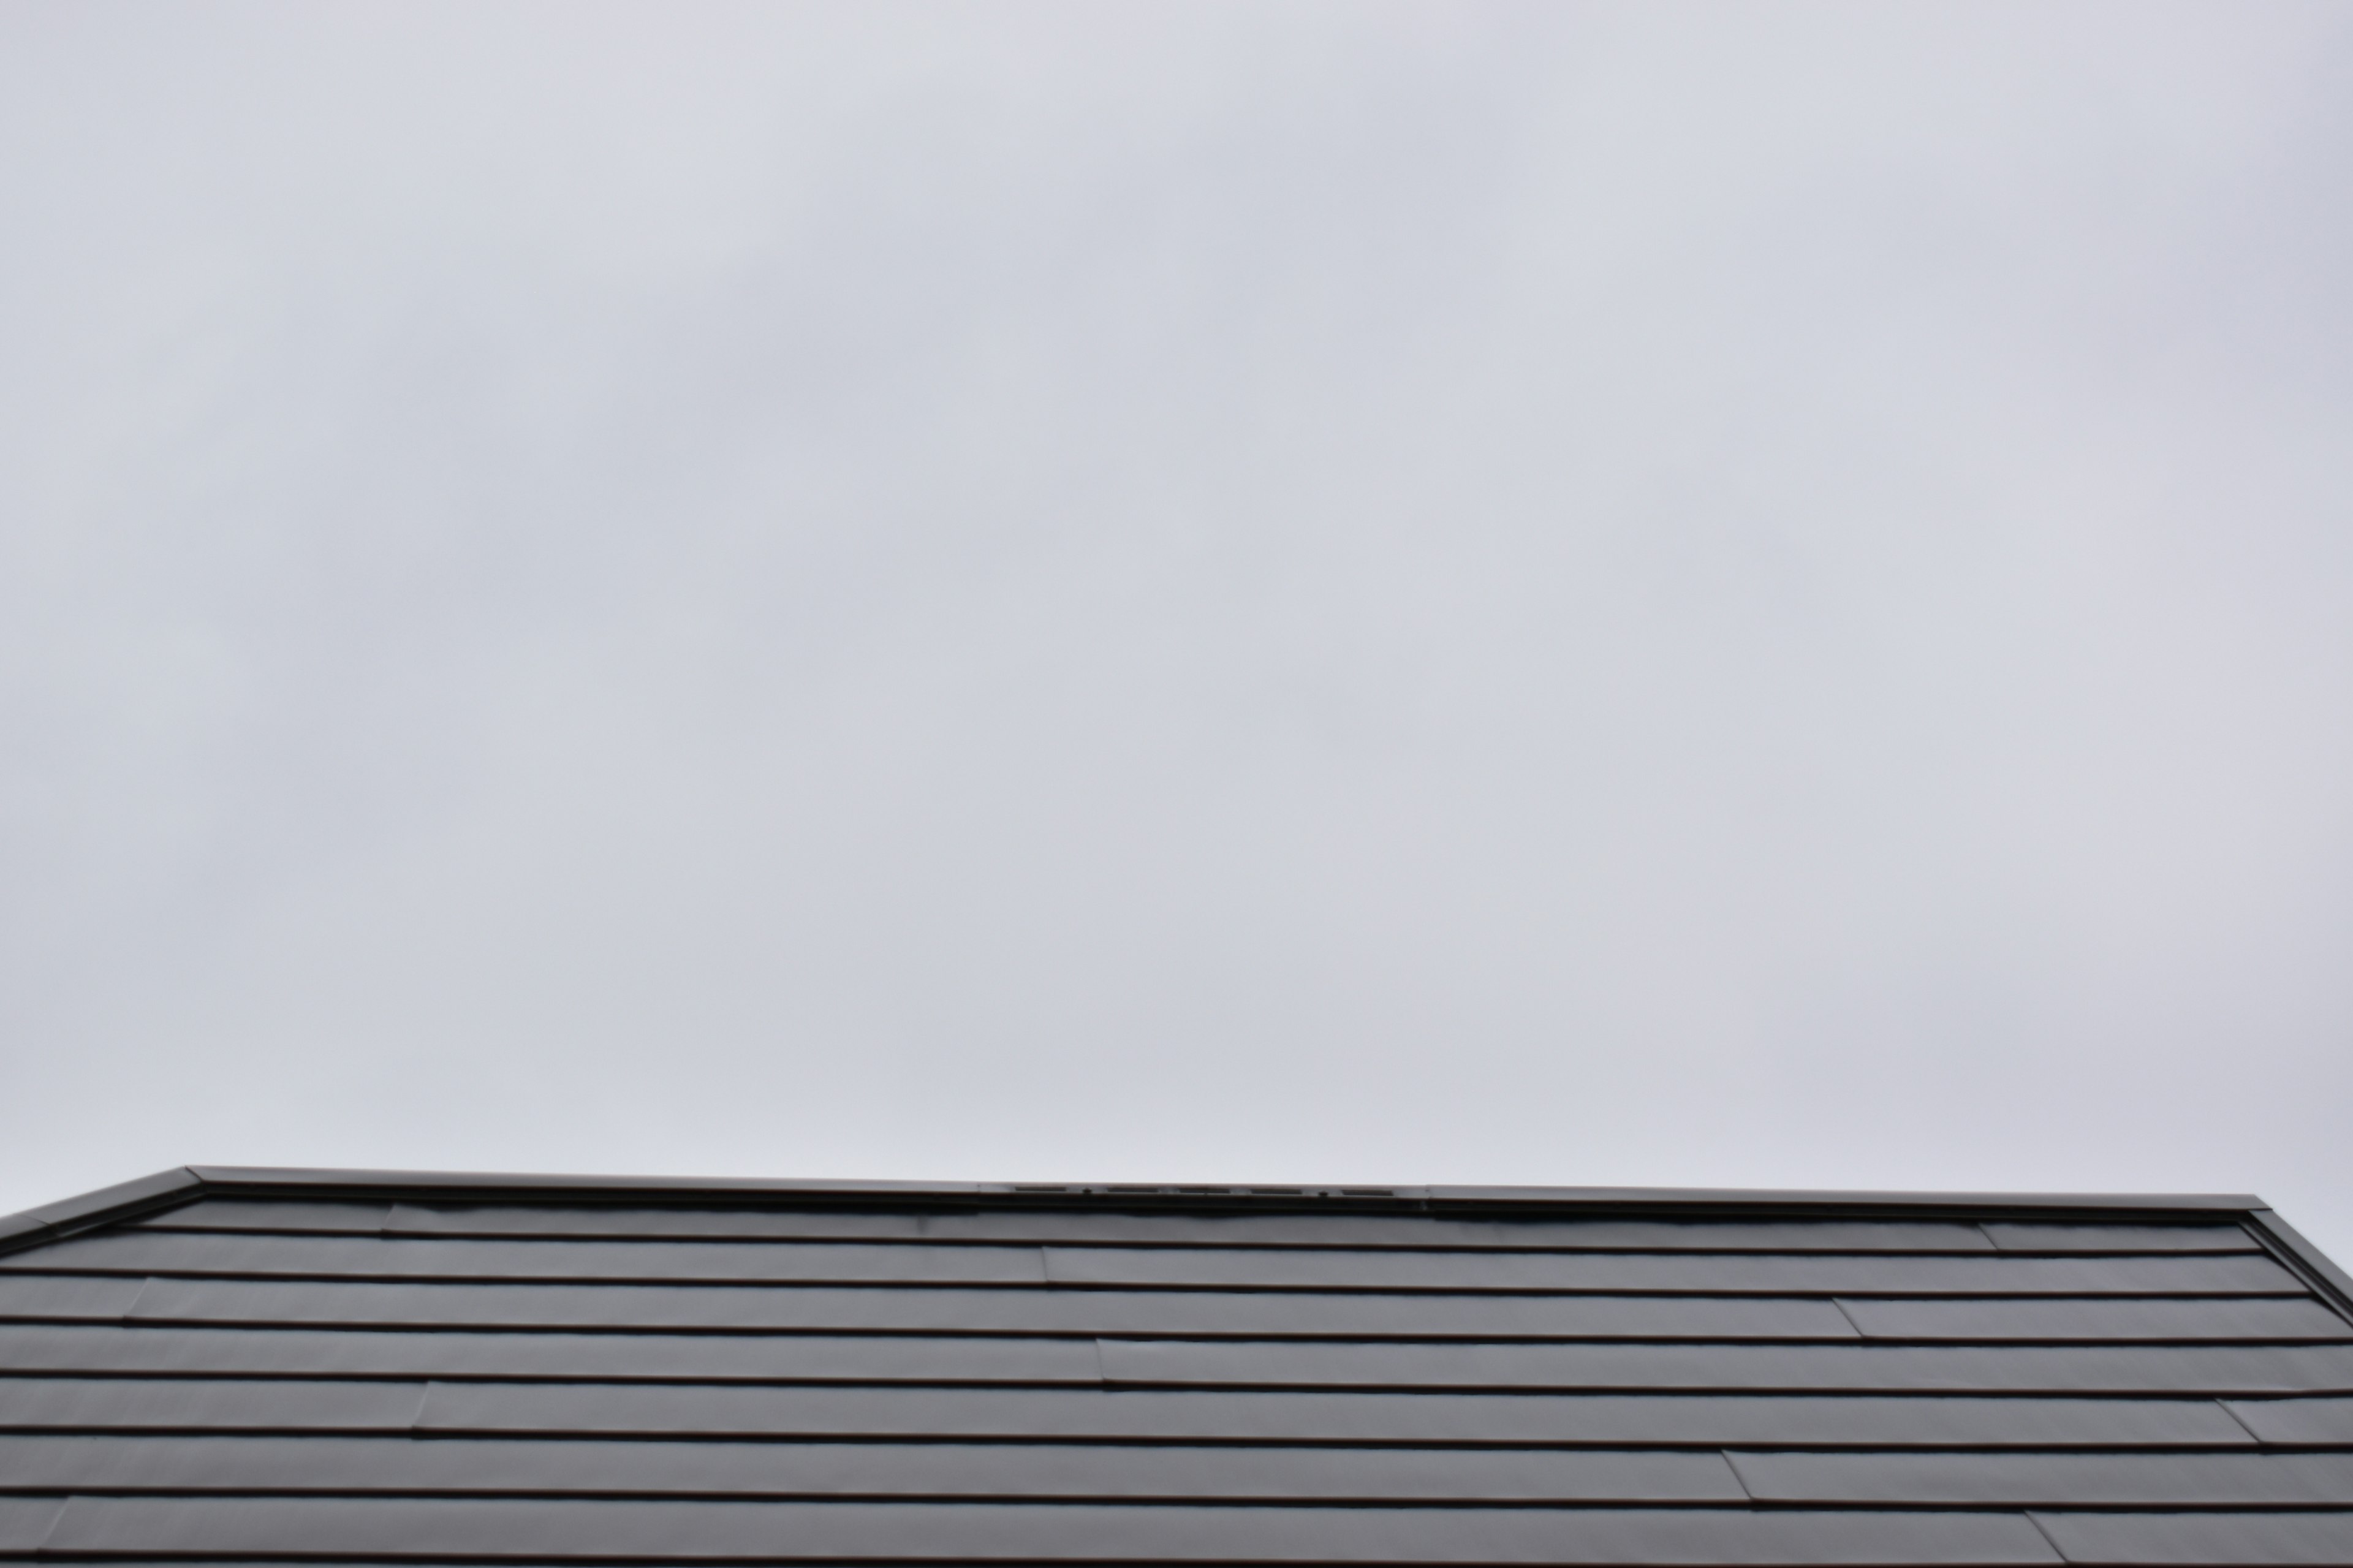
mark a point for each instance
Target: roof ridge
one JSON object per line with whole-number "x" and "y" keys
{"x": 181, "y": 1184}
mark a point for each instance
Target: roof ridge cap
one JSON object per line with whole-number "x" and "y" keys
{"x": 185, "y": 1184}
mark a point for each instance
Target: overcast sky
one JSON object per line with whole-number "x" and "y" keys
{"x": 1634, "y": 594}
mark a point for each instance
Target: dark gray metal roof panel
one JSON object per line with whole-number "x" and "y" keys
{"x": 2208, "y": 1539}
{"x": 2250, "y": 1273}
{"x": 1229, "y": 1227}
{"x": 1742, "y": 1273}
{"x": 108, "y": 1350}
{"x": 417, "y": 1529}
{"x": 1587, "y": 1420}
{"x": 365, "y": 1466}
{"x": 654, "y": 1262}
{"x": 2297, "y": 1420}
{"x": 946, "y": 1359}
{"x": 2076, "y": 1320}
{"x": 271, "y": 1216}
{"x": 1861, "y": 1368}
{"x": 205, "y": 1405}
{"x": 658, "y": 1410}
{"x": 829, "y": 1310}
{"x": 1531, "y": 1231}
{"x": 38, "y": 1297}
{"x": 351, "y": 1366}
{"x": 2032, "y": 1236}
{"x": 2164, "y": 1481}
{"x": 25, "y": 1523}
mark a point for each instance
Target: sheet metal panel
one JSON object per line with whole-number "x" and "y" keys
{"x": 487, "y": 1381}
{"x": 651, "y": 1410}
{"x": 2217, "y": 1370}
{"x": 816, "y": 1308}
{"x": 665, "y": 1263}
{"x": 315, "y": 1217}
{"x": 1238, "y": 1268}
{"x": 2063, "y": 1319}
{"x": 2209, "y": 1540}
{"x": 1859, "y": 1367}
{"x": 25, "y": 1523}
{"x": 34, "y": 1297}
{"x": 1082, "y": 1227}
{"x": 942, "y": 1533}
{"x": 2297, "y": 1420}
{"x": 2051, "y": 1480}
{"x": 2032, "y": 1236}
{"x": 122, "y": 1403}
{"x": 2248, "y": 1274}
{"x": 360, "y": 1466}
{"x": 305, "y": 1352}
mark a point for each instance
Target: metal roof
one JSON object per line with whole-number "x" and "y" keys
{"x": 255, "y": 1365}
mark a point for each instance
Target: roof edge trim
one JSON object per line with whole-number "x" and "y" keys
{"x": 259, "y": 1182}
{"x": 185, "y": 1183}
{"x": 164, "y": 1189}
{"x": 2287, "y": 1244}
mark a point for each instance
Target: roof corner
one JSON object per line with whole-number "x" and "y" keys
{"x": 164, "y": 1189}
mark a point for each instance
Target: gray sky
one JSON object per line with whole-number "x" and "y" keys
{"x": 1746, "y": 596}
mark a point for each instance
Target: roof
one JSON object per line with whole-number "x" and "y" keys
{"x": 241, "y": 1365}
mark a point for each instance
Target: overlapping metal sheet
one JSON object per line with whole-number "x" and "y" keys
{"x": 294, "y": 1368}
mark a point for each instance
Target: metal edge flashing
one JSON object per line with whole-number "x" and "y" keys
{"x": 125, "y": 1200}
{"x": 2300, "y": 1258}
{"x": 1678, "y": 1202}
{"x": 1697, "y": 1201}
{"x": 172, "y": 1188}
